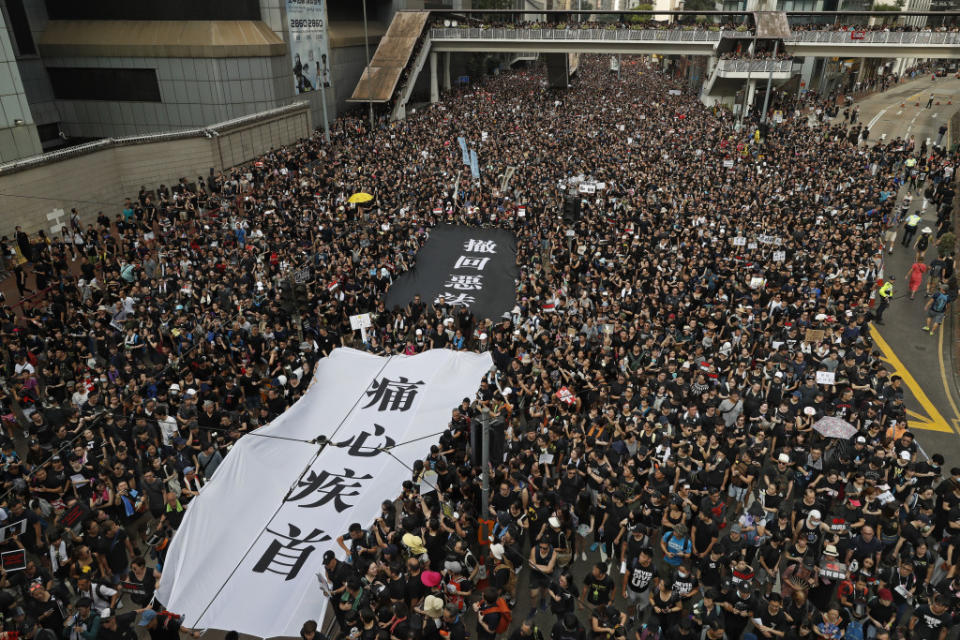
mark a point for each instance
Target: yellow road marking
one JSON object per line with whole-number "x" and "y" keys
{"x": 943, "y": 378}
{"x": 932, "y": 420}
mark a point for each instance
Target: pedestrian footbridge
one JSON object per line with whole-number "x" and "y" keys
{"x": 412, "y": 42}
{"x": 696, "y": 42}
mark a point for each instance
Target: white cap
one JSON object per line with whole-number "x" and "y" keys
{"x": 778, "y": 374}
{"x": 175, "y": 387}
{"x": 419, "y": 332}
{"x": 191, "y": 392}
{"x": 282, "y": 379}
{"x": 861, "y": 440}
{"x": 813, "y": 515}
{"x": 905, "y": 455}
{"x": 554, "y": 522}
{"x": 483, "y": 336}
{"x": 506, "y": 391}
{"x": 784, "y": 458}
{"x": 497, "y": 550}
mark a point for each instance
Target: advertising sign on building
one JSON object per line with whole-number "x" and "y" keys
{"x": 309, "y": 50}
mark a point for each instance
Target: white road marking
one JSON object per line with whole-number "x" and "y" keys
{"x": 934, "y": 115}
{"x": 877, "y": 117}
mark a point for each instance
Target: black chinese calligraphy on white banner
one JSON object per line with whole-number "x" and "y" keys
{"x": 465, "y": 266}
{"x": 251, "y": 545}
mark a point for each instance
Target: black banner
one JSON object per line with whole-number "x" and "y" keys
{"x": 467, "y": 266}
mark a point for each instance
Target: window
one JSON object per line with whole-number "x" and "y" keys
{"x": 120, "y": 85}
{"x": 153, "y": 10}
{"x": 20, "y": 27}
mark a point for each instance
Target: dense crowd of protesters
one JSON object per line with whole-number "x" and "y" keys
{"x": 688, "y": 23}
{"x": 680, "y": 491}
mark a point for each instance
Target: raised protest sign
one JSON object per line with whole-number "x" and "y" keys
{"x": 466, "y": 267}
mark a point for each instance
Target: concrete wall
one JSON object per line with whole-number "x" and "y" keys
{"x": 347, "y": 65}
{"x": 101, "y": 179}
{"x": 194, "y": 93}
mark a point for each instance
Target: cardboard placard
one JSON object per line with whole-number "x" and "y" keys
{"x": 13, "y": 560}
{"x": 826, "y": 377}
{"x": 565, "y": 395}
{"x": 15, "y": 529}
{"x": 813, "y": 335}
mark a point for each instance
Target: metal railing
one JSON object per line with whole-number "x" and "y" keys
{"x": 854, "y": 37}
{"x": 755, "y": 66}
{"x": 851, "y": 37}
{"x": 210, "y": 131}
{"x": 582, "y": 35}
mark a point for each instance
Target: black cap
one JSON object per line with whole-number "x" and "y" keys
{"x": 84, "y": 602}
{"x": 328, "y": 556}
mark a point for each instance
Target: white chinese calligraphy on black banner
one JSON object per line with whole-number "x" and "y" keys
{"x": 463, "y": 266}
{"x": 248, "y": 551}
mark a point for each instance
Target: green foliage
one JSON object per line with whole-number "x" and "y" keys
{"x": 494, "y": 4}
{"x": 700, "y": 5}
{"x": 643, "y": 17}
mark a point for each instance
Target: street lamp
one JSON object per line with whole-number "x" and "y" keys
{"x": 366, "y": 48}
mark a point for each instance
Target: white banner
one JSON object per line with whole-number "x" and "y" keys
{"x": 251, "y": 545}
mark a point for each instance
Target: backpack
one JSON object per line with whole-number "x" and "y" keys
{"x": 854, "y": 630}
{"x": 511, "y": 586}
{"x": 506, "y": 616}
{"x": 940, "y": 302}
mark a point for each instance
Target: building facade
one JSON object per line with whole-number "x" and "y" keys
{"x": 75, "y": 71}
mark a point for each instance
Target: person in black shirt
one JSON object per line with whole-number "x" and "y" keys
{"x": 931, "y": 621}
{"x": 563, "y": 594}
{"x": 708, "y": 611}
{"x": 640, "y": 576}
{"x": 597, "y": 586}
{"x": 739, "y": 605}
{"x": 337, "y": 575}
{"x": 712, "y": 568}
{"x": 568, "y": 628}
{"x": 881, "y": 611}
{"x": 704, "y": 534}
{"x": 773, "y": 623}
{"x": 605, "y": 620}
{"x": 45, "y": 608}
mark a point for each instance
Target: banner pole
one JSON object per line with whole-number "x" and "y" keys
{"x": 485, "y": 461}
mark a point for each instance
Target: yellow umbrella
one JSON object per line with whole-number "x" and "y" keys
{"x": 359, "y": 198}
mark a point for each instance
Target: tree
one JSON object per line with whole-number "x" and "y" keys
{"x": 697, "y": 5}
{"x": 642, "y": 17}
{"x": 494, "y": 4}
{"x": 700, "y": 5}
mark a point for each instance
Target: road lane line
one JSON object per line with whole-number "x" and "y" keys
{"x": 933, "y": 420}
{"x": 877, "y": 117}
{"x": 943, "y": 378}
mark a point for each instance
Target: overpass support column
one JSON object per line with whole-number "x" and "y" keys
{"x": 751, "y": 92}
{"x": 558, "y": 72}
{"x": 434, "y": 89}
{"x": 446, "y": 71}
